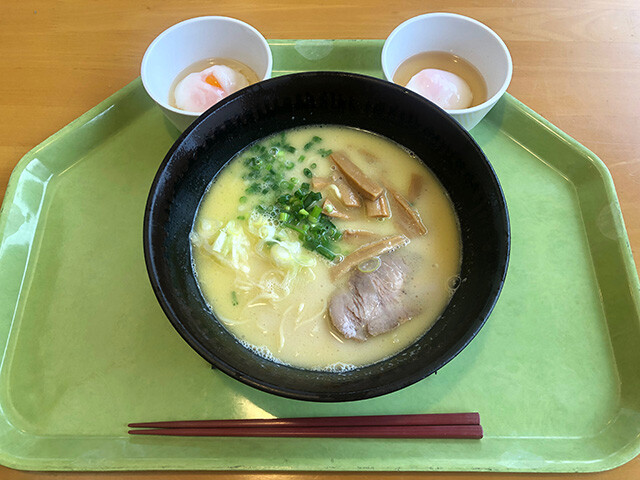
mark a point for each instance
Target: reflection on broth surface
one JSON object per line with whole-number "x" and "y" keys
{"x": 326, "y": 248}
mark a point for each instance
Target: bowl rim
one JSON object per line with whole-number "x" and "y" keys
{"x": 297, "y": 394}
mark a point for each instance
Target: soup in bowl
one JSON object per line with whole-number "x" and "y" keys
{"x": 326, "y": 236}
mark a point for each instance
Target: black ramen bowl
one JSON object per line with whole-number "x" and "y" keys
{"x": 340, "y": 99}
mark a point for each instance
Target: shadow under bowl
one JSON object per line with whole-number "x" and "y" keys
{"x": 320, "y": 98}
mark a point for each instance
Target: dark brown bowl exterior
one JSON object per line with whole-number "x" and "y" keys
{"x": 341, "y": 99}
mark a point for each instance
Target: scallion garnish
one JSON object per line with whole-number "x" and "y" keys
{"x": 287, "y": 200}
{"x": 301, "y": 211}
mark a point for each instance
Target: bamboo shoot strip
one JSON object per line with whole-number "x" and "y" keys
{"x": 415, "y": 187}
{"x": 359, "y": 237}
{"x": 331, "y": 210}
{"x": 406, "y": 216}
{"x": 378, "y": 208}
{"x": 347, "y": 195}
{"x": 366, "y": 252}
{"x": 369, "y": 189}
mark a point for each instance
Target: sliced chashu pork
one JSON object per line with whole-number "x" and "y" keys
{"x": 373, "y": 303}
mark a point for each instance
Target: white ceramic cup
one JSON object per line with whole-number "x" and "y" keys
{"x": 194, "y": 40}
{"x": 459, "y": 35}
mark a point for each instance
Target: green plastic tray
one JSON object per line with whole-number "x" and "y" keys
{"x": 86, "y": 348}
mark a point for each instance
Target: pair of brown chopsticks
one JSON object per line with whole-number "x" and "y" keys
{"x": 432, "y": 425}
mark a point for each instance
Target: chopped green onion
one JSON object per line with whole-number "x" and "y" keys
{"x": 253, "y": 188}
{"x": 289, "y": 199}
{"x": 240, "y": 217}
{"x": 234, "y": 298}
{"x": 311, "y": 198}
{"x": 284, "y": 185}
{"x": 313, "y": 216}
{"x": 325, "y": 252}
{"x": 370, "y": 265}
{"x": 325, "y": 152}
{"x": 303, "y": 229}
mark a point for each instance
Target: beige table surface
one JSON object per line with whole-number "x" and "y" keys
{"x": 576, "y": 62}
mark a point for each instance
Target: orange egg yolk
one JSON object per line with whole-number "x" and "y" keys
{"x": 211, "y": 80}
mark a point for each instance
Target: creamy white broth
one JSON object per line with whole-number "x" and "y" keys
{"x": 295, "y": 329}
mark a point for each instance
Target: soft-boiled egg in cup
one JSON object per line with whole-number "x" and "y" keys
{"x": 200, "y": 90}
{"x": 445, "y": 89}
{"x": 458, "y": 63}
{"x": 196, "y": 63}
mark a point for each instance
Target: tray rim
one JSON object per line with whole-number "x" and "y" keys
{"x": 93, "y": 112}
{"x": 630, "y": 451}
{"x": 603, "y": 171}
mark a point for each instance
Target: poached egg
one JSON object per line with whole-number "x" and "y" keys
{"x": 445, "y": 89}
{"x": 199, "y": 91}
